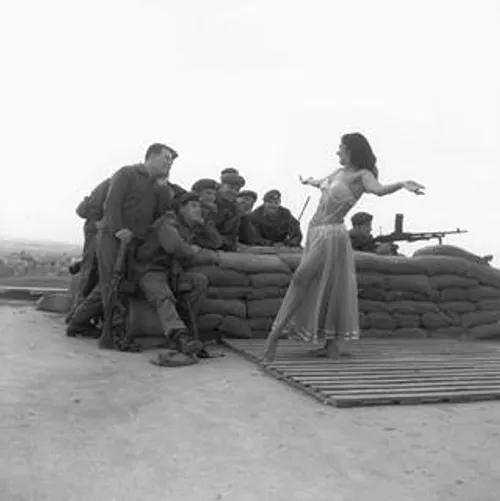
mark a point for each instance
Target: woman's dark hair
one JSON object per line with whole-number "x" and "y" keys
{"x": 360, "y": 152}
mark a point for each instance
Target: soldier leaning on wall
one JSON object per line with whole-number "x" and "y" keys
{"x": 228, "y": 217}
{"x": 275, "y": 224}
{"x": 362, "y": 239}
{"x": 160, "y": 260}
{"x": 207, "y": 235}
{"x": 245, "y": 202}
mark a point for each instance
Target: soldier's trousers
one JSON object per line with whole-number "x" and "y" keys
{"x": 106, "y": 249}
{"x": 156, "y": 289}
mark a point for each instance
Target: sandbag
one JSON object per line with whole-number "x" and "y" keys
{"x": 451, "y": 331}
{"x": 489, "y": 304}
{"x": 219, "y": 277}
{"x": 411, "y": 283}
{"x": 433, "y": 321}
{"x": 292, "y": 260}
{"x": 263, "y": 307}
{"x": 233, "y": 307}
{"x": 439, "y": 265}
{"x": 381, "y": 320}
{"x": 142, "y": 319}
{"x": 487, "y": 275}
{"x": 364, "y": 321}
{"x": 259, "y": 280}
{"x": 265, "y": 293}
{"x": 452, "y": 282}
{"x": 55, "y": 302}
{"x": 228, "y": 292}
{"x": 448, "y": 250}
{"x": 261, "y": 323}
{"x": 485, "y": 331}
{"x": 234, "y": 327}
{"x": 457, "y": 306}
{"x": 376, "y": 333}
{"x": 410, "y": 332}
{"x": 369, "y": 306}
{"x": 396, "y": 295}
{"x": 370, "y": 280}
{"x": 480, "y": 318}
{"x": 209, "y": 321}
{"x": 388, "y": 265}
{"x": 406, "y": 320}
{"x": 253, "y": 263}
{"x": 372, "y": 294}
{"x": 455, "y": 295}
{"x": 484, "y": 292}
{"x": 414, "y": 307}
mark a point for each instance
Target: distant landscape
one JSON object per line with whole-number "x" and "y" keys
{"x": 26, "y": 263}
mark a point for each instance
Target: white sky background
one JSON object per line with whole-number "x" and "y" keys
{"x": 267, "y": 86}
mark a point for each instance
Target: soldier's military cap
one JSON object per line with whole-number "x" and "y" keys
{"x": 185, "y": 198}
{"x": 361, "y": 218}
{"x": 229, "y": 170}
{"x": 248, "y": 193}
{"x": 204, "y": 184}
{"x": 272, "y": 195}
{"x": 232, "y": 179}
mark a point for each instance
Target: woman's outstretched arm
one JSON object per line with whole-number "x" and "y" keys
{"x": 372, "y": 185}
{"x": 311, "y": 181}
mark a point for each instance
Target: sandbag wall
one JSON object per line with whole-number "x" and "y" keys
{"x": 422, "y": 296}
{"x": 245, "y": 292}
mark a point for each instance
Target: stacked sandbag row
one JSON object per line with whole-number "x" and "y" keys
{"x": 245, "y": 292}
{"x": 430, "y": 294}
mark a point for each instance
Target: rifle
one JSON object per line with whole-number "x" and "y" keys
{"x": 398, "y": 235}
{"x": 107, "y": 339}
{"x": 304, "y": 208}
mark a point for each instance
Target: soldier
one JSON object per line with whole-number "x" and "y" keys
{"x": 131, "y": 206}
{"x": 90, "y": 209}
{"x": 275, "y": 224}
{"x": 227, "y": 219}
{"x": 169, "y": 194}
{"x": 245, "y": 202}
{"x": 160, "y": 260}
{"x": 206, "y": 234}
{"x": 362, "y": 239}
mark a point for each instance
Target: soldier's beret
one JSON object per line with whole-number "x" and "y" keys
{"x": 232, "y": 179}
{"x": 185, "y": 198}
{"x": 229, "y": 170}
{"x": 361, "y": 218}
{"x": 204, "y": 184}
{"x": 272, "y": 195}
{"x": 248, "y": 193}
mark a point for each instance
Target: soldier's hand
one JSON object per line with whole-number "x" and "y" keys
{"x": 124, "y": 235}
{"x": 195, "y": 248}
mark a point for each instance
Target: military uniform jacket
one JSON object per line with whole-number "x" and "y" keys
{"x": 281, "y": 227}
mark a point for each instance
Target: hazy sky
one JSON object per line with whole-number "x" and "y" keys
{"x": 267, "y": 86}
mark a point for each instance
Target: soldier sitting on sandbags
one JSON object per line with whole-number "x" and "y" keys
{"x": 245, "y": 202}
{"x": 227, "y": 219}
{"x": 159, "y": 262}
{"x": 207, "y": 236}
{"x": 275, "y": 224}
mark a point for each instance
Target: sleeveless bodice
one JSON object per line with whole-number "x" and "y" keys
{"x": 337, "y": 199}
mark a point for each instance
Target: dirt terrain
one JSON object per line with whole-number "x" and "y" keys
{"x": 82, "y": 424}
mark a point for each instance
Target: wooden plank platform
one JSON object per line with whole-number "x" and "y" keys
{"x": 386, "y": 371}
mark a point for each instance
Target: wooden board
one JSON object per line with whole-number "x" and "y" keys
{"x": 385, "y": 371}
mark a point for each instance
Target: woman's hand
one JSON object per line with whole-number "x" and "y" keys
{"x": 305, "y": 181}
{"x": 414, "y": 187}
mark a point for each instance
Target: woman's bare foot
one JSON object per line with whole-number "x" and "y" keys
{"x": 270, "y": 352}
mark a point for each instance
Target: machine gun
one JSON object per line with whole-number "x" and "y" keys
{"x": 399, "y": 235}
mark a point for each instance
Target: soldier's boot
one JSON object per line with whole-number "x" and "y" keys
{"x": 80, "y": 323}
{"x": 185, "y": 342}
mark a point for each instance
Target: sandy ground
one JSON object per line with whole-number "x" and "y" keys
{"x": 82, "y": 424}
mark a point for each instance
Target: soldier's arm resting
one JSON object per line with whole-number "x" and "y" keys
{"x": 294, "y": 236}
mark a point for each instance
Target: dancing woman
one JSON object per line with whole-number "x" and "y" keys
{"x": 321, "y": 303}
